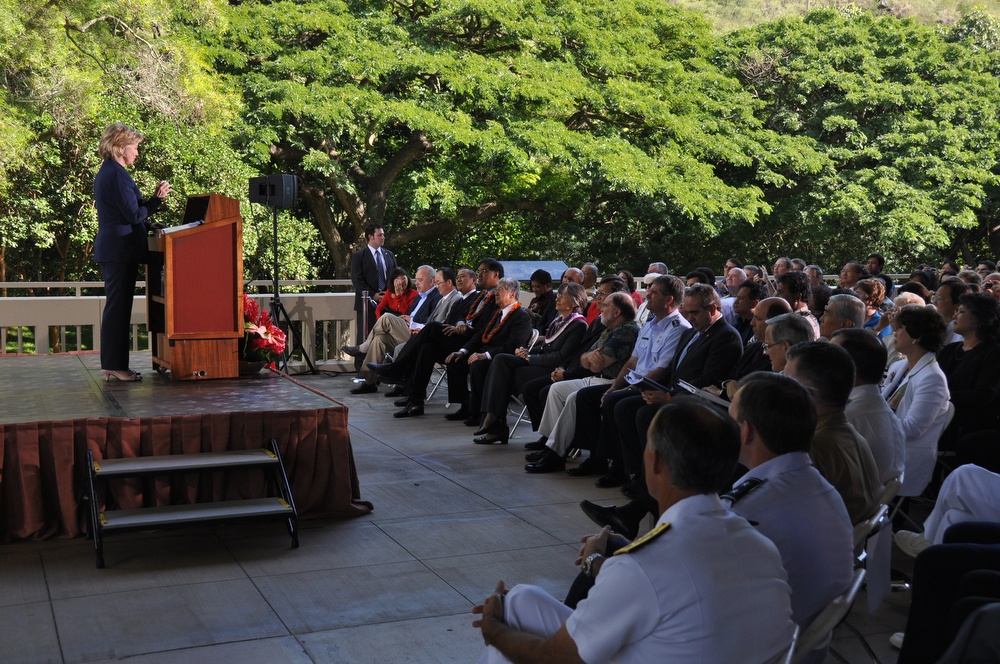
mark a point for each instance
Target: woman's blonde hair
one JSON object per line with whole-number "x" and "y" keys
{"x": 115, "y": 139}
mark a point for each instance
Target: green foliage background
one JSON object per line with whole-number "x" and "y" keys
{"x": 554, "y": 129}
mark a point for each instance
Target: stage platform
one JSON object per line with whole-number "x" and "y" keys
{"x": 57, "y": 407}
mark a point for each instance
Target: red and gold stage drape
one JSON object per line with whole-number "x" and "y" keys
{"x": 43, "y": 465}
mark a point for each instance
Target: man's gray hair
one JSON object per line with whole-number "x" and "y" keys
{"x": 792, "y": 328}
{"x": 509, "y": 284}
{"x": 847, "y": 307}
{"x": 428, "y": 268}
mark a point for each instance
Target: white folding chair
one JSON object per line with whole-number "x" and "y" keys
{"x": 516, "y": 398}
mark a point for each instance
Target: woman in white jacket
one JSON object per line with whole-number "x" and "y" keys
{"x": 917, "y": 391}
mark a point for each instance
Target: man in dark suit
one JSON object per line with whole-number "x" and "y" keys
{"x": 370, "y": 267}
{"x": 706, "y": 353}
{"x": 507, "y": 330}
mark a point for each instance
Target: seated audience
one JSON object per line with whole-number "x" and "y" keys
{"x": 414, "y": 364}
{"x": 432, "y": 303}
{"x": 782, "y": 493}
{"x": 655, "y": 348}
{"x": 643, "y": 609}
{"x": 509, "y": 371}
{"x": 604, "y": 361}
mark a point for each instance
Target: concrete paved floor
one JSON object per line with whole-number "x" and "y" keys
{"x": 395, "y": 586}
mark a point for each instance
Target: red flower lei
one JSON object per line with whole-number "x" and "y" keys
{"x": 491, "y": 331}
{"x": 484, "y": 297}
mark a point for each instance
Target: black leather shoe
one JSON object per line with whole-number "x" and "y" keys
{"x": 537, "y": 444}
{"x": 396, "y": 391}
{"x": 458, "y": 415}
{"x": 629, "y": 489}
{"x": 410, "y": 410}
{"x": 472, "y": 420}
{"x": 384, "y": 370}
{"x": 399, "y": 403}
{"x": 549, "y": 463}
{"x": 353, "y": 351}
{"x": 590, "y": 466}
{"x": 610, "y": 480}
{"x": 365, "y": 388}
{"x": 534, "y": 456}
{"x": 610, "y": 516}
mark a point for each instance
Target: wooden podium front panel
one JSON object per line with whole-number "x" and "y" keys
{"x": 202, "y": 359}
{"x": 204, "y": 289}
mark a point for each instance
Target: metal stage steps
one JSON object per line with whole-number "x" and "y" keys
{"x": 109, "y": 521}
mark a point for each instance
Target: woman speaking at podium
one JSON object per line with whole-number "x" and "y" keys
{"x": 122, "y": 224}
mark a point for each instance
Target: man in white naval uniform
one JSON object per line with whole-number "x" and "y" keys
{"x": 703, "y": 586}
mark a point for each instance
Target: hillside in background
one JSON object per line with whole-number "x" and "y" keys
{"x": 729, "y": 15}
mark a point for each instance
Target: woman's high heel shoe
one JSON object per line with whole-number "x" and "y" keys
{"x": 498, "y": 433}
{"x": 124, "y": 375}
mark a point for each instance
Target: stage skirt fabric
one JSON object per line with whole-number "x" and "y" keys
{"x": 43, "y": 465}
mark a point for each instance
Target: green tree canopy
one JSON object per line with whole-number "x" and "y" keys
{"x": 905, "y": 117}
{"x": 531, "y": 126}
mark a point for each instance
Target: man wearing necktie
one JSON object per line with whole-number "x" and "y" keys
{"x": 370, "y": 266}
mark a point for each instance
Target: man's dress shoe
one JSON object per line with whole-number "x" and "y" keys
{"x": 384, "y": 370}
{"x": 399, "y": 403}
{"x": 353, "y": 351}
{"x": 610, "y": 516}
{"x": 396, "y": 391}
{"x": 460, "y": 414}
{"x": 365, "y": 388}
{"x": 549, "y": 463}
{"x": 590, "y": 466}
{"x": 536, "y": 445}
{"x": 610, "y": 480}
{"x": 410, "y": 410}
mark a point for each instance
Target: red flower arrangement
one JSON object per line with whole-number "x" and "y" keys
{"x": 263, "y": 341}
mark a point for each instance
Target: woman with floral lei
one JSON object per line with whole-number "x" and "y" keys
{"x": 263, "y": 341}
{"x": 508, "y": 372}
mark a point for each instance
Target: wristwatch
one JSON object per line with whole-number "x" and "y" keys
{"x": 588, "y": 564}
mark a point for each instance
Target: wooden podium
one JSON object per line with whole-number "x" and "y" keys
{"x": 194, "y": 287}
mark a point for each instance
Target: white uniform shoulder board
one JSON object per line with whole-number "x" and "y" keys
{"x": 645, "y": 539}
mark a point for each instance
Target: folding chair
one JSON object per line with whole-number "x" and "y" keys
{"x": 517, "y": 398}
{"x": 820, "y": 630}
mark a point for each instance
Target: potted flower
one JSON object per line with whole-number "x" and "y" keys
{"x": 263, "y": 341}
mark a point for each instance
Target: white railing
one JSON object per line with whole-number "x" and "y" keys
{"x": 61, "y": 323}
